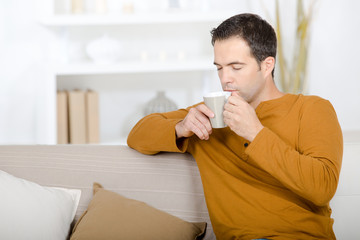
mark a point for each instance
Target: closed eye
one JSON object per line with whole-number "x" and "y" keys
{"x": 218, "y": 66}
{"x": 237, "y": 66}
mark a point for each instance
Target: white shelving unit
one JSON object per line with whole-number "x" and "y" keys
{"x": 62, "y": 23}
{"x": 143, "y": 18}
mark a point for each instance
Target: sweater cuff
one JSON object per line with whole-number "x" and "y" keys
{"x": 177, "y": 145}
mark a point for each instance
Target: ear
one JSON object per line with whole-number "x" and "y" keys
{"x": 267, "y": 66}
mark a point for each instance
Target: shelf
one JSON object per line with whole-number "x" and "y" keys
{"x": 87, "y": 68}
{"x": 144, "y": 18}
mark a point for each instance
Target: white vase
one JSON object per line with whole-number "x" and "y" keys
{"x": 160, "y": 103}
{"x": 104, "y": 50}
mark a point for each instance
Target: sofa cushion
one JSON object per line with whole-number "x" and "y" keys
{"x": 112, "y": 216}
{"x": 31, "y": 211}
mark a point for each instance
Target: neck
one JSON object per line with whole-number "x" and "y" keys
{"x": 270, "y": 92}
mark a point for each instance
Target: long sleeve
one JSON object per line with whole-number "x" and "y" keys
{"x": 156, "y": 132}
{"x": 311, "y": 169}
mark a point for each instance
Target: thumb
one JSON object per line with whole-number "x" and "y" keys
{"x": 237, "y": 97}
{"x": 235, "y": 93}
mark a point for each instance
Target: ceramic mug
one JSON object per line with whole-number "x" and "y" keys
{"x": 216, "y": 101}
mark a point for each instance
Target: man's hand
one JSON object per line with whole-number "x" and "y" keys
{"x": 241, "y": 117}
{"x": 196, "y": 122}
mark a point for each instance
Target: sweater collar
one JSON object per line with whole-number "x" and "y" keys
{"x": 276, "y": 105}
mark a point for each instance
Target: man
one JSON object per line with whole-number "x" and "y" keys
{"x": 272, "y": 172}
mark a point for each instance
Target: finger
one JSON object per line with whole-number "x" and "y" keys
{"x": 230, "y": 107}
{"x": 200, "y": 130}
{"x": 205, "y": 110}
{"x": 231, "y": 100}
{"x": 204, "y": 114}
{"x": 235, "y": 98}
{"x": 204, "y": 122}
{"x": 235, "y": 93}
{"x": 199, "y": 115}
{"x": 198, "y": 123}
{"x": 227, "y": 116}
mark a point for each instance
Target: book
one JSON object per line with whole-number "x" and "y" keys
{"x": 77, "y": 117}
{"x": 92, "y": 116}
{"x": 62, "y": 118}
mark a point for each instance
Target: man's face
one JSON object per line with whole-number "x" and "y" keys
{"x": 238, "y": 69}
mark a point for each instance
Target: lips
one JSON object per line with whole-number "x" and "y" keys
{"x": 230, "y": 90}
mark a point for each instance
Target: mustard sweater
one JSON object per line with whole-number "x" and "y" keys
{"x": 279, "y": 185}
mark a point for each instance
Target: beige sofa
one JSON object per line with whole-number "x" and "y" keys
{"x": 167, "y": 181}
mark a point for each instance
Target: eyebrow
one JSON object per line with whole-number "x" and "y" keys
{"x": 231, "y": 63}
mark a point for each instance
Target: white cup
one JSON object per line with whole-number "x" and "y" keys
{"x": 216, "y": 101}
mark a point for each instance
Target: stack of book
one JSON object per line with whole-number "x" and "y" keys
{"x": 77, "y": 117}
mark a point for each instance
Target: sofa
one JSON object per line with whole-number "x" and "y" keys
{"x": 169, "y": 182}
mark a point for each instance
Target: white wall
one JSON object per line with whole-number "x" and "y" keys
{"x": 25, "y": 47}
{"x": 334, "y": 65}
{"x": 22, "y": 44}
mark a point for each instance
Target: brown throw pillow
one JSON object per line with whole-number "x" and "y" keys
{"x": 112, "y": 216}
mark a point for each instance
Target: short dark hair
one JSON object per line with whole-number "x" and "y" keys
{"x": 255, "y": 31}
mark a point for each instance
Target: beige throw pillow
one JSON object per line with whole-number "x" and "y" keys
{"x": 112, "y": 216}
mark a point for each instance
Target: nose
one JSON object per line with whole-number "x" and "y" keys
{"x": 225, "y": 76}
